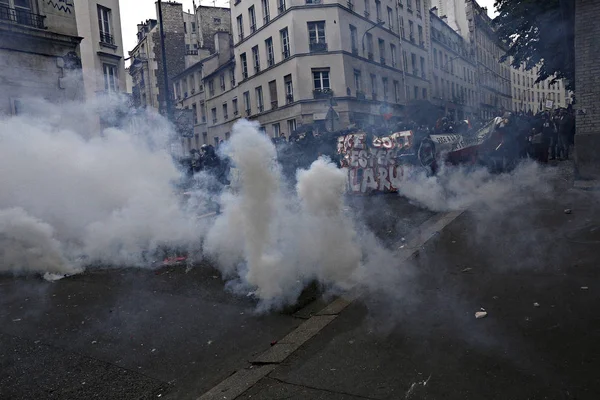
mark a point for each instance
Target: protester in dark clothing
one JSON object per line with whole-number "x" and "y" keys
{"x": 539, "y": 144}
{"x": 550, "y": 134}
{"x": 566, "y": 130}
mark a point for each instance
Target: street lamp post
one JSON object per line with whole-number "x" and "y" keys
{"x": 167, "y": 96}
{"x": 380, "y": 23}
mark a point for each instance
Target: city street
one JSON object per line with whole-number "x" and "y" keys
{"x": 137, "y": 334}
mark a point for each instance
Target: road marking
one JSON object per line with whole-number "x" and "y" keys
{"x": 267, "y": 361}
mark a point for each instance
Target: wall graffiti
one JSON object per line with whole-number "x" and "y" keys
{"x": 375, "y": 163}
{"x": 62, "y": 5}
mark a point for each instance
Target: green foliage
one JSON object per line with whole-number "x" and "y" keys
{"x": 539, "y": 32}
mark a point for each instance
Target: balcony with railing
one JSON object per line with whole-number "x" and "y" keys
{"x": 370, "y": 56}
{"x": 318, "y": 47}
{"x": 289, "y": 98}
{"x": 354, "y": 50}
{"x": 374, "y": 96}
{"x": 322, "y": 93}
{"x": 382, "y": 60}
{"x": 360, "y": 95}
{"x": 191, "y": 52}
{"x": 21, "y": 17}
{"x": 350, "y": 5}
{"x": 274, "y": 105}
{"x": 266, "y": 19}
{"x": 107, "y": 38}
{"x": 281, "y": 9}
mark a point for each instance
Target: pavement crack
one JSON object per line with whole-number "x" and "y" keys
{"x": 320, "y": 389}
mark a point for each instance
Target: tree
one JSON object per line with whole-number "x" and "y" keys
{"x": 539, "y": 32}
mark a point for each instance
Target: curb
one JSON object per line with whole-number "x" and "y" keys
{"x": 266, "y": 362}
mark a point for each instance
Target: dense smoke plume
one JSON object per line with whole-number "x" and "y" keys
{"x": 275, "y": 240}
{"x": 70, "y": 192}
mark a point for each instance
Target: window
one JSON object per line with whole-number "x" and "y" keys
{"x": 374, "y": 86}
{"x": 276, "y": 130}
{"x": 316, "y": 36}
{"x": 435, "y": 61}
{"x": 216, "y": 139}
{"x": 321, "y": 79}
{"x": 418, "y": 6}
{"x": 240, "y": 27}
{"x": 411, "y": 30}
{"x": 270, "y": 54}
{"x": 357, "y": 81}
{"x": 285, "y": 43}
{"x": 416, "y": 92}
{"x": 256, "y": 59}
{"x": 397, "y": 91}
{"x": 281, "y": 8}
{"x": 390, "y": 14}
{"x": 104, "y": 23}
{"x": 110, "y": 77}
{"x": 259, "y": 99}
{"x": 367, "y": 8}
{"x": 421, "y": 41}
{"x": 193, "y": 27}
{"x": 273, "y": 94}
{"x": 381, "y": 44}
{"x": 222, "y": 81}
{"x": 234, "y": 106}
{"x": 195, "y": 111}
{"x": 244, "y": 64}
{"x": 265, "y": 11}
{"x": 291, "y": 124}
{"x": 402, "y": 27}
{"x": 185, "y": 27}
{"x": 203, "y": 114}
{"x": 378, "y": 10}
{"x": 384, "y": 82}
{"x": 289, "y": 89}
{"x": 232, "y": 75}
{"x": 354, "y": 39}
{"x": 225, "y": 113}
{"x": 393, "y": 57}
{"x": 213, "y": 113}
{"x": 227, "y": 135}
{"x": 193, "y": 83}
{"x": 423, "y": 67}
{"x": 217, "y": 21}
{"x": 211, "y": 87}
{"x": 405, "y": 60}
{"x": 369, "y": 46}
{"x": 252, "y": 18}
{"x": 413, "y": 59}
{"x": 424, "y": 93}
{"x": 247, "y": 103}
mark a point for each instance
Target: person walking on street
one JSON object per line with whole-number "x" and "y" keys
{"x": 565, "y": 129}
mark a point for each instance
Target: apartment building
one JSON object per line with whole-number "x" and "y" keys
{"x": 495, "y": 95}
{"x": 99, "y": 23}
{"x": 453, "y": 71}
{"x": 325, "y": 62}
{"x": 535, "y": 97}
{"x": 208, "y": 89}
{"x": 185, "y": 46}
{"x": 38, "y": 53}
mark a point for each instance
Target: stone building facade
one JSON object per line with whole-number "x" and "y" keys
{"x": 38, "y": 53}
{"x": 587, "y": 86}
{"x": 99, "y": 23}
{"x": 535, "y": 97}
{"x": 495, "y": 94}
{"x": 454, "y": 70}
{"x": 211, "y": 20}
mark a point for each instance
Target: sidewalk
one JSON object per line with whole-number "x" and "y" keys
{"x": 534, "y": 269}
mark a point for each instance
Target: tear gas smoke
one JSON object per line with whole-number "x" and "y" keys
{"x": 275, "y": 240}
{"x": 69, "y": 192}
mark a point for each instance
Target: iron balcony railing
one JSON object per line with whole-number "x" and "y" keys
{"x": 22, "y": 17}
{"x": 106, "y": 38}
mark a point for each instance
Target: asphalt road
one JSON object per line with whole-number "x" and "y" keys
{"x": 143, "y": 334}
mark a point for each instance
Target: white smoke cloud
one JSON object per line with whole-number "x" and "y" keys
{"x": 274, "y": 240}
{"x": 106, "y": 195}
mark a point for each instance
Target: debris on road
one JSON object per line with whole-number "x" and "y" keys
{"x": 16, "y": 319}
{"x": 568, "y": 211}
{"x": 466, "y": 269}
{"x": 481, "y": 314}
{"x": 274, "y": 342}
{"x": 536, "y": 304}
{"x": 94, "y": 342}
{"x": 584, "y": 288}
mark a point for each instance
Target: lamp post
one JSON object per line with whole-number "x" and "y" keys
{"x": 167, "y": 95}
{"x": 380, "y": 23}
